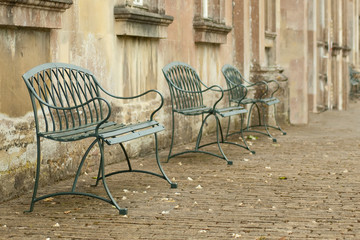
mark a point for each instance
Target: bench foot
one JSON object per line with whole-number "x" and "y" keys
{"x": 173, "y": 185}
{"x": 123, "y": 211}
{"x": 274, "y": 140}
{"x": 229, "y": 162}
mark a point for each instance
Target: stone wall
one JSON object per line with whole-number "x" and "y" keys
{"x": 124, "y": 46}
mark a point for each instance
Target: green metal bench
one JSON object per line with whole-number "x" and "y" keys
{"x": 187, "y": 99}
{"x": 233, "y": 79}
{"x": 354, "y": 81}
{"x": 68, "y": 107}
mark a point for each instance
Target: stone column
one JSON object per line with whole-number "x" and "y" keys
{"x": 241, "y": 39}
{"x": 257, "y": 32}
{"x": 293, "y": 46}
{"x": 312, "y": 56}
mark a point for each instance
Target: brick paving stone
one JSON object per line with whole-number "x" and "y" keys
{"x": 305, "y": 186}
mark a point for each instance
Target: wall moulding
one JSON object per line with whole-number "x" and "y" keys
{"x": 346, "y": 50}
{"x": 136, "y": 22}
{"x": 210, "y": 32}
{"x": 33, "y": 13}
{"x": 336, "y": 49}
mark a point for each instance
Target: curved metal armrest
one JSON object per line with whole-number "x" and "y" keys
{"x": 220, "y": 90}
{"x": 260, "y": 83}
{"x": 212, "y": 89}
{"x": 137, "y": 96}
{"x": 238, "y": 86}
{"x": 277, "y": 86}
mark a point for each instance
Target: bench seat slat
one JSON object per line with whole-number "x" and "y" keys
{"x": 77, "y": 130}
{"x": 230, "y": 111}
{"x": 194, "y": 111}
{"x": 267, "y": 101}
{"x": 129, "y": 128}
{"x": 134, "y": 135}
{"x": 271, "y": 101}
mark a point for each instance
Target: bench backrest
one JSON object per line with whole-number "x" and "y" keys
{"x": 61, "y": 94}
{"x": 234, "y": 78}
{"x": 182, "y": 76}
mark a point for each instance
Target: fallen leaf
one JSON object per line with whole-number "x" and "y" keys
{"x": 190, "y": 179}
{"x": 235, "y": 235}
{"x": 56, "y": 225}
{"x": 283, "y": 178}
{"x": 252, "y": 137}
{"x": 167, "y": 200}
{"x": 67, "y": 212}
{"x": 165, "y": 212}
{"x": 199, "y": 187}
{"x": 49, "y": 199}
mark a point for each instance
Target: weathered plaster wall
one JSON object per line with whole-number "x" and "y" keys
{"x": 20, "y": 49}
{"x": 125, "y": 65}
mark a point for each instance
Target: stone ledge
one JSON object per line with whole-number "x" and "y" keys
{"x": 134, "y": 22}
{"x": 51, "y": 5}
{"x": 346, "y": 50}
{"x": 33, "y": 13}
{"x": 210, "y": 32}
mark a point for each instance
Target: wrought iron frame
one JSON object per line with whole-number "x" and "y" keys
{"x": 68, "y": 107}
{"x": 187, "y": 99}
{"x": 266, "y": 99}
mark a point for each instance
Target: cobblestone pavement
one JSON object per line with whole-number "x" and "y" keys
{"x": 305, "y": 186}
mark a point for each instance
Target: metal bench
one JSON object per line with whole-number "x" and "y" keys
{"x": 68, "y": 107}
{"x": 187, "y": 99}
{"x": 233, "y": 79}
{"x": 354, "y": 81}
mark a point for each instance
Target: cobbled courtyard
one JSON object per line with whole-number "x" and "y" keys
{"x": 305, "y": 186}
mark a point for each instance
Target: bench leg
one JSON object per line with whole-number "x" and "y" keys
{"x": 265, "y": 123}
{"x": 219, "y": 132}
{"x": 198, "y": 140}
{"x": 37, "y": 173}
{"x": 122, "y": 211}
{"x": 277, "y": 124}
{"x": 172, "y": 135}
{"x": 173, "y": 185}
{"x": 81, "y": 164}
